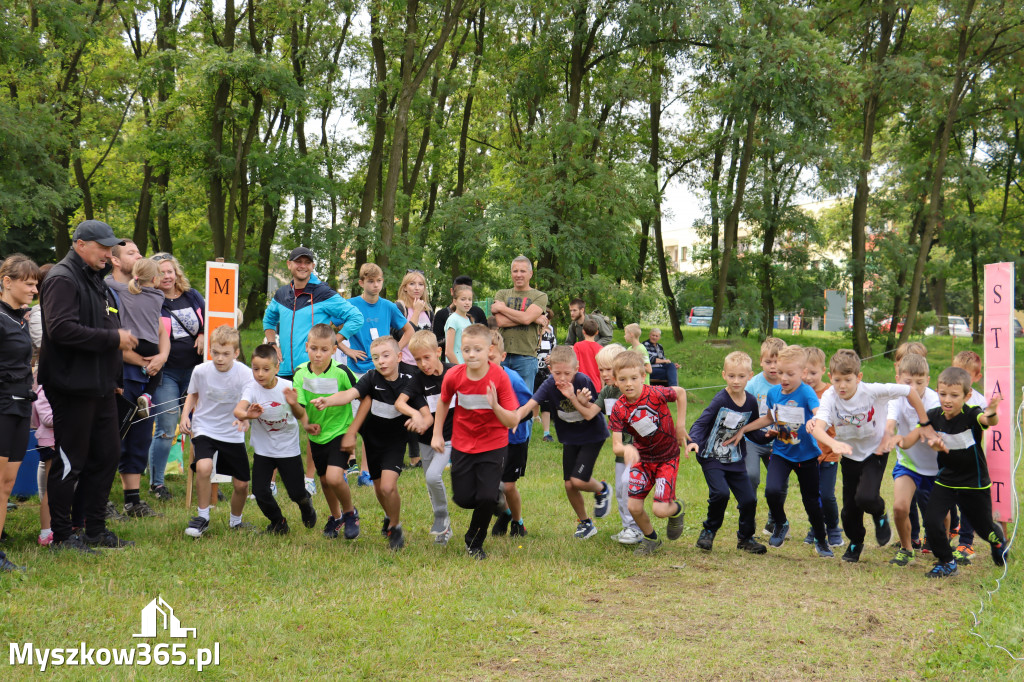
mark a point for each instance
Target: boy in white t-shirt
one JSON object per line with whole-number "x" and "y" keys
{"x": 217, "y": 437}
{"x": 857, "y": 410}
{"x": 272, "y": 405}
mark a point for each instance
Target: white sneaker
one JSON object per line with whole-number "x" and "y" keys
{"x": 273, "y": 489}
{"x": 628, "y": 536}
{"x": 311, "y": 487}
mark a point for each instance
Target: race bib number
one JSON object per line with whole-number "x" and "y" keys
{"x": 432, "y": 401}
{"x": 958, "y": 441}
{"x": 384, "y": 410}
{"x": 320, "y": 385}
{"x": 473, "y": 401}
{"x": 732, "y": 419}
{"x": 644, "y": 427}
{"x": 847, "y": 432}
{"x": 609, "y": 403}
{"x": 224, "y": 395}
{"x": 789, "y": 414}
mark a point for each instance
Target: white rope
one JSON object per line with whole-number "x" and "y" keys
{"x": 1015, "y": 505}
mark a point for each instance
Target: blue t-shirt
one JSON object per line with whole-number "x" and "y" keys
{"x": 522, "y": 432}
{"x": 570, "y": 426}
{"x": 792, "y": 411}
{"x": 378, "y": 320}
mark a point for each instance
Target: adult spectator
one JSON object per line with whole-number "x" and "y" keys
{"x": 18, "y": 279}
{"x": 299, "y": 305}
{"x": 476, "y": 314}
{"x": 35, "y": 317}
{"x": 662, "y": 369}
{"x": 140, "y": 314}
{"x": 519, "y": 313}
{"x": 80, "y": 367}
{"x": 577, "y": 311}
{"x": 412, "y": 302}
{"x": 182, "y": 316}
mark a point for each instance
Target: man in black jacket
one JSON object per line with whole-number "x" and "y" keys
{"x": 79, "y": 366}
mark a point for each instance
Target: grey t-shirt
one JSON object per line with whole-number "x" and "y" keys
{"x": 139, "y": 312}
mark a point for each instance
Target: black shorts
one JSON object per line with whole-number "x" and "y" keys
{"x": 384, "y": 456}
{"x": 578, "y": 460}
{"x": 46, "y": 453}
{"x": 515, "y": 462}
{"x": 232, "y": 458}
{"x": 328, "y": 454}
{"x": 14, "y": 442}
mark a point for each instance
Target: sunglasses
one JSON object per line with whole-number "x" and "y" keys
{"x": 161, "y": 256}
{"x": 411, "y": 270}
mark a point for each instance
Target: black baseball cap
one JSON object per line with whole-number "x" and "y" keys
{"x": 300, "y": 251}
{"x": 96, "y": 231}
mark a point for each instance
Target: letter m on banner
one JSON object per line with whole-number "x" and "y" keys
{"x": 998, "y": 332}
{"x": 221, "y": 297}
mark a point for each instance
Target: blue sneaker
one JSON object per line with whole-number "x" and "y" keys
{"x": 835, "y": 537}
{"x": 823, "y": 550}
{"x": 351, "y": 522}
{"x": 331, "y": 527}
{"x": 779, "y": 534}
{"x": 941, "y": 570}
{"x": 364, "y": 479}
{"x": 602, "y": 501}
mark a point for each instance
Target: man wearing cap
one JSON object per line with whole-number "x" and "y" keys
{"x": 80, "y": 365}
{"x": 299, "y": 305}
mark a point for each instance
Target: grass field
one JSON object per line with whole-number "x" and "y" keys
{"x": 548, "y": 606}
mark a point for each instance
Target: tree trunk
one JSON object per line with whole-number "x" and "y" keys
{"x": 256, "y": 302}
{"x": 724, "y": 131}
{"x": 142, "y": 213}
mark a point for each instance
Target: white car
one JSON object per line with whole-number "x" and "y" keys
{"x": 957, "y": 326}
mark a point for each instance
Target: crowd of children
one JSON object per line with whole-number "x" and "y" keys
{"x": 461, "y": 409}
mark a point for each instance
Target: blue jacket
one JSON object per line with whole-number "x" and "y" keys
{"x": 292, "y": 317}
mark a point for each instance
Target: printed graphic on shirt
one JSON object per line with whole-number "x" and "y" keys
{"x": 789, "y": 417}
{"x": 727, "y": 424}
{"x": 848, "y": 426}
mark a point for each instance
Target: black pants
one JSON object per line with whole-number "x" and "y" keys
{"x": 720, "y": 483}
{"x": 975, "y": 506}
{"x": 87, "y": 449}
{"x": 862, "y": 483}
{"x": 776, "y": 481}
{"x": 293, "y": 475}
{"x": 476, "y": 478}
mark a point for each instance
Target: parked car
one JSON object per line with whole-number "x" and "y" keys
{"x": 700, "y": 316}
{"x": 956, "y": 326}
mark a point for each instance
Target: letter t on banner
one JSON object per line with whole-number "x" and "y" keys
{"x": 999, "y": 379}
{"x": 221, "y": 297}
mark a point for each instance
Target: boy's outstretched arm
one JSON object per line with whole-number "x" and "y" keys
{"x": 819, "y": 431}
{"x": 335, "y": 400}
{"x": 989, "y": 416}
{"x": 756, "y": 425}
{"x": 526, "y": 409}
{"x": 922, "y": 415}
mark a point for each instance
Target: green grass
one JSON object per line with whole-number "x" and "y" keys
{"x": 545, "y": 607}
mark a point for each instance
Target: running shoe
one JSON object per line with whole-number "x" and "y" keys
{"x": 780, "y": 534}
{"x": 998, "y": 543}
{"x": 278, "y": 528}
{"x": 351, "y": 521}
{"x": 823, "y": 550}
{"x": 628, "y": 536}
{"x": 962, "y": 555}
{"x": 331, "y": 527}
{"x": 384, "y": 528}
{"x": 107, "y": 540}
{"x": 585, "y": 529}
{"x": 145, "y": 404}
{"x": 602, "y": 501}
{"x": 477, "y": 553}
{"x": 517, "y": 529}
{"x": 941, "y": 570}
{"x": 140, "y": 509}
{"x": 112, "y": 514}
{"x": 883, "y": 531}
{"x": 308, "y": 513}
{"x": 273, "y": 488}
{"x": 500, "y": 527}
{"x": 242, "y": 526}
{"x": 311, "y": 486}
{"x": 809, "y": 538}
{"x": 751, "y": 545}
{"x": 196, "y": 527}
{"x": 835, "y": 537}
{"x": 647, "y": 546}
{"x": 8, "y": 565}
{"x": 161, "y": 492}
{"x": 674, "y": 528}
{"x": 443, "y": 537}
{"x": 73, "y": 543}
{"x": 547, "y": 438}
{"x": 396, "y": 539}
{"x": 852, "y": 553}
{"x": 706, "y": 541}
{"x": 45, "y": 540}
{"x": 364, "y": 479}
{"x": 902, "y": 558}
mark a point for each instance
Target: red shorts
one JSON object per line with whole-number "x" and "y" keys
{"x": 660, "y": 476}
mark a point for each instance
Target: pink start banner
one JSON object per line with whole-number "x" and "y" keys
{"x": 998, "y": 331}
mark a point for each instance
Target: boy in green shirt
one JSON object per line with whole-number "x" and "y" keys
{"x": 319, "y": 377}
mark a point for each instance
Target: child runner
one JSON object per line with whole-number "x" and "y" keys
{"x": 485, "y": 408}
{"x": 858, "y": 409}
{"x": 791, "y": 405}
{"x": 963, "y": 470}
{"x": 320, "y": 377}
{"x": 828, "y": 461}
{"x": 580, "y": 429}
{"x": 547, "y": 342}
{"x": 382, "y": 426}
{"x": 606, "y": 399}
{"x": 759, "y": 449}
{"x": 901, "y": 351}
{"x": 42, "y": 420}
{"x": 653, "y": 457}
{"x": 208, "y": 418}
{"x": 426, "y": 385}
{"x": 631, "y": 334}
{"x": 724, "y": 470}
{"x": 271, "y": 403}
{"x": 518, "y": 449}
{"x": 970, "y": 362}
{"x": 587, "y": 350}
{"x": 457, "y": 322}
{"x": 916, "y": 467}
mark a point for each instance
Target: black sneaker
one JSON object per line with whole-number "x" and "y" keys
{"x": 941, "y": 570}
{"x": 111, "y": 513}
{"x": 387, "y": 524}
{"x": 308, "y": 513}
{"x": 602, "y": 501}
{"x": 477, "y": 553}
{"x": 916, "y": 545}
{"x": 999, "y": 549}
{"x": 140, "y": 509}
{"x": 331, "y": 527}
{"x": 517, "y": 529}
{"x": 752, "y": 546}
{"x": 852, "y": 553}
{"x": 706, "y": 541}
{"x": 161, "y": 492}
{"x": 396, "y": 538}
{"x": 769, "y": 528}
{"x": 500, "y": 527}
{"x": 197, "y": 526}
{"x": 73, "y": 543}
{"x": 674, "y": 528}
{"x": 883, "y": 531}
{"x": 107, "y": 540}
{"x": 279, "y": 528}
{"x": 351, "y": 521}
{"x": 6, "y": 565}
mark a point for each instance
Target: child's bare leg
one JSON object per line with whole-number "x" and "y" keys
{"x": 903, "y": 492}
{"x": 636, "y": 510}
{"x": 386, "y": 489}
{"x": 238, "y": 496}
{"x": 44, "y": 501}
{"x": 310, "y": 467}
{"x": 204, "y": 490}
{"x": 336, "y": 487}
{"x": 663, "y": 510}
{"x": 576, "y": 500}
{"x": 515, "y": 502}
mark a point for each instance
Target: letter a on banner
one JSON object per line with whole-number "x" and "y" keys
{"x": 221, "y": 297}
{"x": 999, "y": 379}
